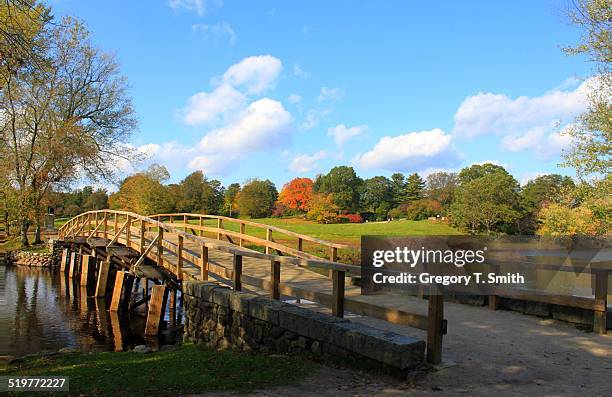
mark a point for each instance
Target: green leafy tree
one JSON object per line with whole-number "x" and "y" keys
{"x": 323, "y": 209}
{"x": 377, "y": 196}
{"x": 196, "y": 193}
{"x": 414, "y": 187}
{"x": 257, "y": 198}
{"x": 344, "y": 185}
{"x": 142, "y": 194}
{"x": 592, "y": 130}
{"x": 487, "y": 203}
{"x": 441, "y": 187}
{"x": 229, "y": 198}
{"x": 399, "y": 188}
{"x": 479, "y": 170}
{"x": 422, "y": 209}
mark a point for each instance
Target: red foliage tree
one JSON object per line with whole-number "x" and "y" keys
{"x": 297, "y": 194}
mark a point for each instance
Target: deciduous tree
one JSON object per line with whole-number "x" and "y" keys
{"x": 297, "y": 194}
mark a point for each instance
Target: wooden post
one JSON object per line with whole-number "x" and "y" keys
{"x": 601, "y": 300}
{"x": 172, "y": 310}
{"x": 160, "y": 248}
{"x": 115, "y": 225}
{"x": 237, "y": 272}
{"x": 242, "y": 231}
{"x": 268, "y": 238}
{"x": 117, "y": 291}
{"x": 157, "y": 306}
{"x": 142, "y": 236}
{"x": 274, "y": 279}
{"x": 128, "y": 232}
{"x": 105, "y": 226}
{"x": 103, "y": 271}
{"x": 179, "y": 260}
{"x": 86, "y": 262}
{"x": 203, "y": 262}
{"x": 300, "y": 246}
{"x": 435, "y": 326}
{"x": 201, "y": 222}
{"x": 333, "y": 256}
{"x": 145, "y": 288}
{"x": 73, "y": 264}
{"x": 219, "y": 226}
{"x": 338, "y": 293}
{"x": 185, "y": 223}
{"x": 65, "y": 257}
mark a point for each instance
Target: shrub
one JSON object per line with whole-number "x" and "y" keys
{"x": 423, "y": 209}
{"x": 323, "y": 209}
{"x": 353, "y": 218}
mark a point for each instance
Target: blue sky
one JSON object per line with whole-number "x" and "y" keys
{"x": 278, "y": 89}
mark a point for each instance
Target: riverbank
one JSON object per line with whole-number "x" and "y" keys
{"x": 185, "y": 369}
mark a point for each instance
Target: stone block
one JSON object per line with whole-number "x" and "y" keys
{"x": 220, "y": 296}
{"x": 239, "y": 301}
{"x": 308, "y": 323}
{"x": 264, "y": 309}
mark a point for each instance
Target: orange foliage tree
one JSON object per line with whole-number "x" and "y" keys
{"x": 297, "y": 194}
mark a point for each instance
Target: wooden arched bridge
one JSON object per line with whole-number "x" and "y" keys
{"x": 166, "y": 249}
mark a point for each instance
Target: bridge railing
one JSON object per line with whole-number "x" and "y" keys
{"x": 164, "y": 243}
{"x": 196, "y": 223}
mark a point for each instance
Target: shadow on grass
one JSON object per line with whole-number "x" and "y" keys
{"x": 189, "y": 369}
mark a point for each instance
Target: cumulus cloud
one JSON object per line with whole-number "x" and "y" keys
{"x": 487, "y": 113}
{"x": 343, "y": 134}
{"x": 222, "y": 29}
{"x": 255, "y": 73}
{"x": 544, "y": 141}
{"x": 303, "y": 163}
{"x": 411, "y": 151}
{"x": 294, "y": 98}
{"x": 206, "y": 107}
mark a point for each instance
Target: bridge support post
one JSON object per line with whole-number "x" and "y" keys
{"x": 86, "y": 262}
{"x": 275, "y": 279}
{"x": 159, "y": 294}
{"x": 338, "y": 293}
{"x": 203, "y": 262}
{"x": 64, "y": 260}
{"x": 601, "y": 300}
{"x": 435, "y": 326}
{"x": 73, "y": 264}
{"x": 117, "y": 291}
{"x": 237, "y": 265}
{"x": 103, "y": 272}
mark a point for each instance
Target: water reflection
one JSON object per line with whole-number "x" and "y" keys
{"x": 42, "y": 309}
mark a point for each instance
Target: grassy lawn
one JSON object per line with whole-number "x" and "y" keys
{"x": 189, "y": 369}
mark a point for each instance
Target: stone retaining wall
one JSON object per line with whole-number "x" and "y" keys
{"x": 223, "y": 318}
{"x": 36, "y": 259}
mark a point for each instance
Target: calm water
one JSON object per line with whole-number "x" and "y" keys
{"x": 41, "y": 309}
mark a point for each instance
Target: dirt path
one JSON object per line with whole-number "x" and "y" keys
{"x": 502, "y": 353}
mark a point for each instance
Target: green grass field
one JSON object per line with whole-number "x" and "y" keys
{"x": 189, "y": 369}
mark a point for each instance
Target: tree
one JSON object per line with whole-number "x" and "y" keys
{"x": 229, "y": 198}
{"x": 414, "y": 187}
{"x": 196, "y": 193}
{"x": 399, "y": 188}
{"x": 297, "y": 194}
{"x": 97, "y": 200}
{"x": 441, "y": 187}
{"x": 486, "y": 203}
{"x": 559, "y": 220}
{"x": 344, "y": 185}
{"x": 539, "y": 193}
{"x": 479, "y": 170}
{"x": 377, "y": 196}
{"x": 158, "y": 173}
{"x": 323, "y": 209}
{"x": 142, "y": 194}
{"x": 257, "y": 198}
{"x": 422, "y": 209}
{"x": 68, "y": 117}
{"x": 592, "y": 130}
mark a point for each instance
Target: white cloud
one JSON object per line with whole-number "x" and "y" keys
{"x": 222, "y": 29}
{"x": 313, "y": 118}
{"x": 294, "y": 98}
{"x": 411, "y": 151}
{"x": 542, "y": 140}
{"x": 303, "y": 163}
{"x": 342, "y": 133}
{"x": 330, "y": 94}
{"x": 255, "y": 74}
{"x": 264, "y": 124}
{"x": 299, "y": 72}
{"x": 197, "y": 6}
{"x": 488, "y": 113}
{"x": 205, "y": 107}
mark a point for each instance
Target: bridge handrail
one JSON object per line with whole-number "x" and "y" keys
{"x": 259, "y": 225}
{"x": 210, "y": 243}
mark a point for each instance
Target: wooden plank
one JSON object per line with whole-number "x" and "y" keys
{"x": 86, "y": 265}
{"x": 435, "y": 331}
{"x": 179, "y": 259}
{"x": 242, "y": 232}
{"x": 103, "y": 271}
{"x": 269, "y": 239}
{"x": 237, "y": 268}
{"x": 275, "y": 279}
{"x": 601, "y": 297}
{"x": 117, "y": 291}
{"x": 219, "y": 226}
{"x": 73, "y": 264}
{"x": 157, "y": 306}
{"x": 338, "y": 293}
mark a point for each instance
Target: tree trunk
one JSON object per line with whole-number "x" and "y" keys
{"x": 24, "y": 232}
{"x": 37, "y": 239}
